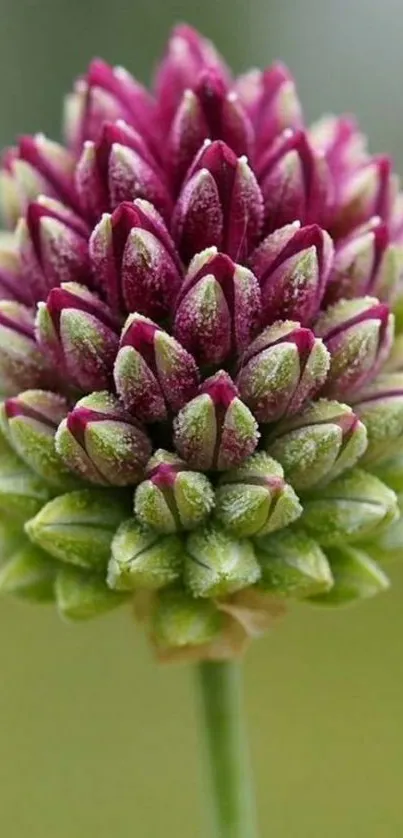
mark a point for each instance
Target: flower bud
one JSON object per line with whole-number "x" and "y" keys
{"x": 53, "y": 246}
{"x": 37, "y": 166}
{"x": 217, "y": 564}
{"x": 220, "y": 204}
{"x": 397, "y": 308}
{"x": 394, "y": 362}
{"x": 29, "y": 421}
{"x": 254, "y": 499}
{"x": 218, "y": 308}
{"x": 369, "y": 190}
{"x": 343, "y": 145}
{"x": 102, "y": 443}
{"x": 79, "y": 333}
{"x": 365, "y": 263}
{"x": 22, "y": 363}
{"x": 22, "y": 493}
{"x": 187, "y": 55}
{"x": 209, "y": 111}
{"x": 294, "y": 180}
{"x": 380, "y": 406}
{"x": 11, "y": 535}
{"x": 143, "y": 559}
{"x": 13, "y": 284}
{"x": 270, "y": 99}
{"x": 29, "y": 574}
{"x": 179, "y": 620}
{"x": 318, "y": 444}
{"x": 283, "y": 368}
{"x": 358, "y": 334}
{"x": 390, "y": 471}
{"x": 134, "y": 261}
{"x": 153, "y": 373}
{"x": 118, "y": 167}
{"x": 355, "y": 576}
{"x": 215, "y": 431}
{"x": 292, "y": 266}
{"x": 172, "y": 498}
{"x": 292, "y": 565}
{"x": 388, "y": 545}
{"x": 107, "y": 94}
{"x": 81, "y": 595}
{"x": 396, "y": 220}
{"x": 78, "y": 527}
{"x": 352, "y": 507}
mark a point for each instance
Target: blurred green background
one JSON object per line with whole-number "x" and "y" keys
{"x": 95, "y": 740}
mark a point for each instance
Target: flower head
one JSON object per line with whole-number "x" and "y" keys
{"x": 203, "y": 397}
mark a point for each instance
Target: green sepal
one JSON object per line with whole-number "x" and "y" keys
{"x": 318, "y": 444}
{"x": 179, "y": 620}
{"x": 29, "y": 574}
{"x": 356, "y": 576}
{"x": 218, "y": 564}
{"x": 31, "y": 433}
{"x": 142, "y": 558}
{"x": 22, "y": 493}
{"x": 182, "y": 506}
{"x": 353, "y": 507}
{"x": 35, "y": 445}
{"x": 254, "y": 499}
{"x": 81, "y": 595}
{"x": 390, "y": 471}
{"x": 78, "y": 527}
{"x": 389, "y": 544}
{"x": 292, "y": 565}
{"x": 12, "y": 537}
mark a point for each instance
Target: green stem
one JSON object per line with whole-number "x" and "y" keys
{"x": 227, "y": 761}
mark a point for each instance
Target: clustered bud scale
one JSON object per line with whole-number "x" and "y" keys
{"x": 201, "y": 354}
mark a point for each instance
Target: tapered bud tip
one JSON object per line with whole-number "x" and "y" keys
{"x": 356, "y": 576}
{"x": 180, "y": 621}
{"x": 78, "y": 527}
{"x": 293, "y": 265}
{"x": 22, "y": 492}
{"x": 29, "y": 574}
{"x": 215, "y": 430}
{"x": 79, "y": 332}
{"x": 220, "y": 204}
{"x": 102, "y": 443}
{"x": 294, "y": 179}
{"x": 351, "y": 508}
{"x": 217, "y": 564}
{"x": 380, "y": 406}
{"x": 29, "y": 422}
{"x": 293, "y": 565}
{"x": 37, "y": 166}
{"x": 174, "y": 498}
{"x": 220, "y": 388}
{"x": 218, "y": 307}
{"x": 366, "y": 262}
{"x": 320, "y": 443}
{"x": 154, "y": 374}
{"x": 82, "y": 596}
{"x": 186, "y": 56}
{"x": 143, "y": 559}
{"x": 358, "y": 334}
{"x": 22, "y": 363}
{"x": 283, "y": 368}
{"x": 254, "y": 499}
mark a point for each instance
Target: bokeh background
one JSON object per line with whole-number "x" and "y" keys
{"x": 95, "y": 740}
